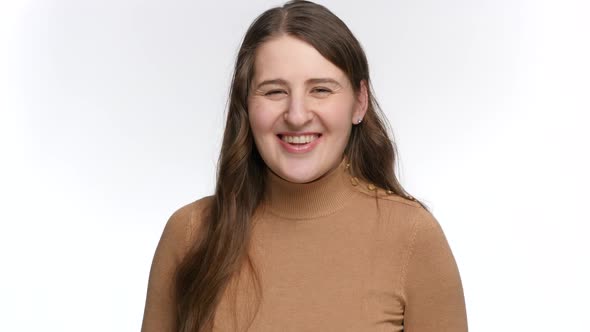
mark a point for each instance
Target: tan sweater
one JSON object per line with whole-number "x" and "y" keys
{"x": 334, "y": 255}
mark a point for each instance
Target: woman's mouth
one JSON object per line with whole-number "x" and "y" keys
{"x": 299, "y": 143}
{"x": 299, "y": 139}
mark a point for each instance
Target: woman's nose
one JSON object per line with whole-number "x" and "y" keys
{"x": 297, "y": 114}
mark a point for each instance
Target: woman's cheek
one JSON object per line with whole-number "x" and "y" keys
{"x": 338, "y": 115}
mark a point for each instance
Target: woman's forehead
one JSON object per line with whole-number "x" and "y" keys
{"x": 292, "y": 60}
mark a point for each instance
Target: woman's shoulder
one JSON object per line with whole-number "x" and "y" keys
{"x": 388, "y": 197}
{"x": 188, "y": 218}
{"x": 192, "y": 210}
{"x": 399, "y": 209}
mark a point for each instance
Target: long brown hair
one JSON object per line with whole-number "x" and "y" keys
{"x": 224, "y": 237}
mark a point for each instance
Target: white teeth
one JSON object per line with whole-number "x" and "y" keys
{"x": 302, "y": 139}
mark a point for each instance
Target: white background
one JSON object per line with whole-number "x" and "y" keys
{"x": 111, "y": 115}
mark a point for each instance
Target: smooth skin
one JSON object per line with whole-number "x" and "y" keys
{"x": 295, "y": 92}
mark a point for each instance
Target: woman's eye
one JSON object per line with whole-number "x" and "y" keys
{"x": 274, "y": 92}
{"x": 322, "y": 90}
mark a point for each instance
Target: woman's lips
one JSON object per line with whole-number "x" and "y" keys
{"x": 300, "y": 142}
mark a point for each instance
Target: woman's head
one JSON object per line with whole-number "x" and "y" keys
{"x": 295, "y": 47}
{"x": 301, "y": 109}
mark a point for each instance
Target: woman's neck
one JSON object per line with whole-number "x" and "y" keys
{"x": 310, "y": 200}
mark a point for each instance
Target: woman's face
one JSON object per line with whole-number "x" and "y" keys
{"x": 301, "y": 109}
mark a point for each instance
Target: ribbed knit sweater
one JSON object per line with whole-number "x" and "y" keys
{"x": 337, "y": 254}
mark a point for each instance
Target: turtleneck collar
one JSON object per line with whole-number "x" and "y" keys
{"x": 318, "y": 198}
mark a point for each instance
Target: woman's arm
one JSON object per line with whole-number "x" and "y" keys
{"x": 433, "y": 289}
{"x": 160, "y": 308}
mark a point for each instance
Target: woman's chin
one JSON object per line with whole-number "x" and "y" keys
{"x": 299, "y": 175}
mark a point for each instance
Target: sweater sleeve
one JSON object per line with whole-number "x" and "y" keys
{"x": 433, "y": 289}
{"x": 160, "y": 309}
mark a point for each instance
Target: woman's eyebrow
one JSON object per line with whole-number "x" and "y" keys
{"x": 276, "y": 81}
{"x": 279, "y": 81}
{"x": 322, "y": 80}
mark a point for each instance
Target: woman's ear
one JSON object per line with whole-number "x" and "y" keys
{"x": 362, "y": 103}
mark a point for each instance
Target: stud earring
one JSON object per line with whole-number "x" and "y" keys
{"x": 358, "y": 121}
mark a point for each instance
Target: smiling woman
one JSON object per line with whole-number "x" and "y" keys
{"x": 308, "y": 228}
{"x": 302, "y": 112}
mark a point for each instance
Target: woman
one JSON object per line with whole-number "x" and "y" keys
{"x": 308, "y": 229}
